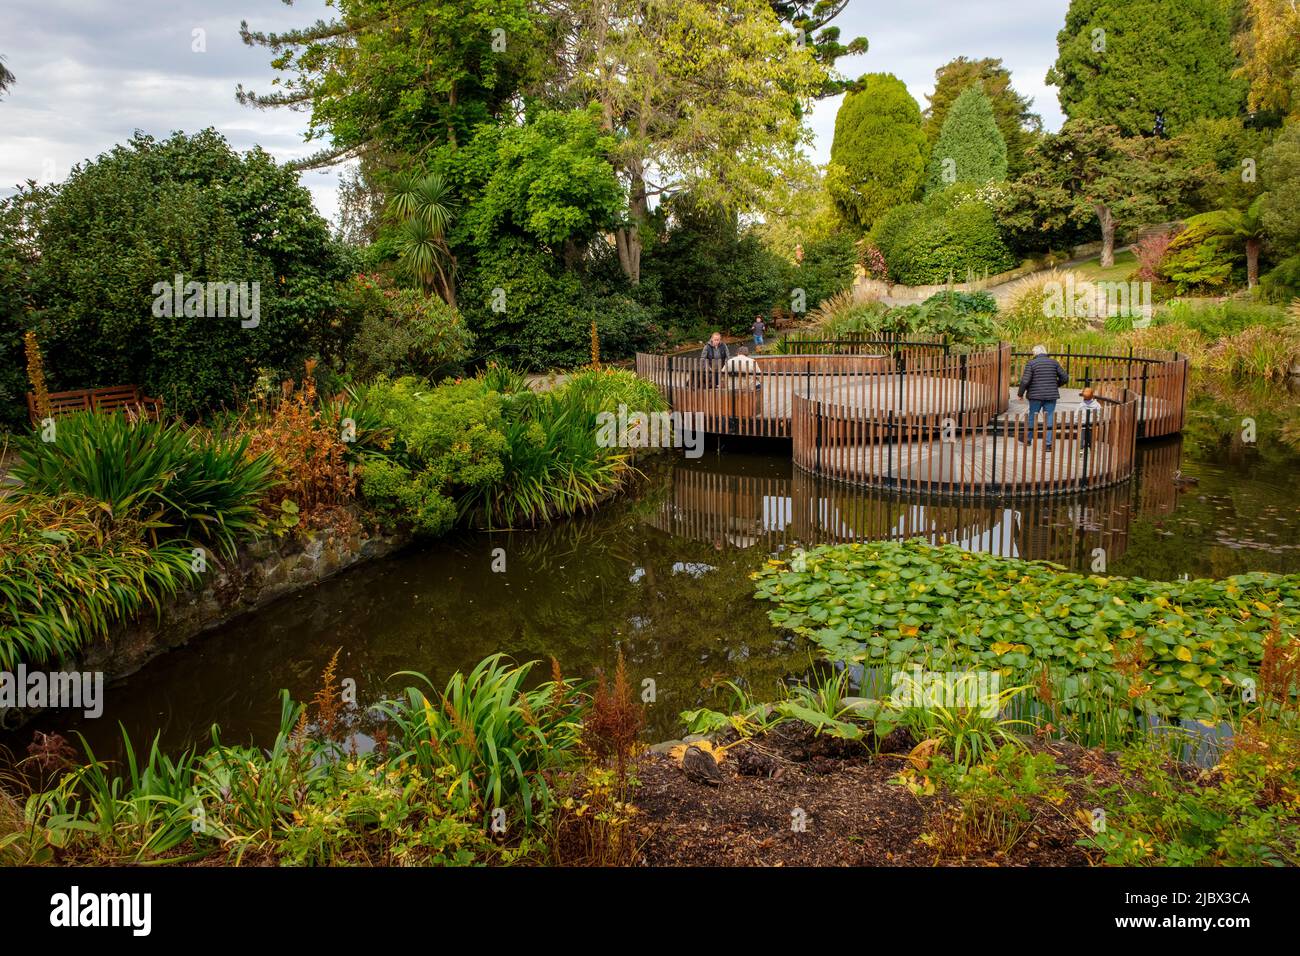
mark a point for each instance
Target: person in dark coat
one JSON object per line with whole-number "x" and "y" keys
{"x": 1041, "y": 384}
{"x": 715, "y": 356}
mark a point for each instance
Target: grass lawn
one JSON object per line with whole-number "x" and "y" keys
{"x": 1125, "y": 264}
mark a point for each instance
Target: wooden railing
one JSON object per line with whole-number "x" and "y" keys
{"x": 1158, "y": 378}
{"x": 920, "y": 416}
{"x": 859, "y": 343}
{"x": 926, "y": 452}
{"x": 757, "y": 398}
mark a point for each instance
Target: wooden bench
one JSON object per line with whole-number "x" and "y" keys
{"x": 118, "y": 398}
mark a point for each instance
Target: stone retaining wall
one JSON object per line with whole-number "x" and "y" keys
{"x": 261, "y": 573}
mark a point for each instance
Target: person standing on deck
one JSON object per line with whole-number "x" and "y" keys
{"x": 715, "y": 356}
{"x": 1091, "y": 409}
{"x": 1041, "y": 384}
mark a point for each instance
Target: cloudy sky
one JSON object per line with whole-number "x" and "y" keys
{"x": 90, "y": 72}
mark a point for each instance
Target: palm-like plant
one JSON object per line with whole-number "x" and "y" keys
{"x": 1244, "y": 225}
{"x": 424, "y": 206}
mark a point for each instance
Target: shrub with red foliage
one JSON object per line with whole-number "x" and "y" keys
{"x": 1150, "y": 252}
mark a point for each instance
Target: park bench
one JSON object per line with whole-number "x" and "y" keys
{"x": 124, "y": 398}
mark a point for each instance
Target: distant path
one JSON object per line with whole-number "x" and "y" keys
{"x": 1002, "y": 291}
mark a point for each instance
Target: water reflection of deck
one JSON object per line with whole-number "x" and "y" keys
{"x": 771, "y": 513}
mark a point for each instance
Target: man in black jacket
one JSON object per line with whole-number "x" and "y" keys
{"x": 1041, "y": 384}
{"x": 715, "y": 356}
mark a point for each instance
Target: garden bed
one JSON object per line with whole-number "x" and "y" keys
{"x": 856, "y": 813}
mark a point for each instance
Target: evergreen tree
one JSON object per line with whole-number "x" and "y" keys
{"x": 1121, "y": 64}
{"x": 1019, "y": 124}
{"x": 970, "y": 148}
{"x": 878, "y": 154}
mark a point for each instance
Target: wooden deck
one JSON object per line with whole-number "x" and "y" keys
{"x": 925, "y": 419}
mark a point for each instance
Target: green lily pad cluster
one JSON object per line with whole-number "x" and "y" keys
{"x": 1176, "y": 649}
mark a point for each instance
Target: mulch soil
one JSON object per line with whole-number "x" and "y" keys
{"x": 854, "y": 813}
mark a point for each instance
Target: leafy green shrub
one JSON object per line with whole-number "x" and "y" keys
{"x": 446, "y": 440}
{"x": 499, "y": 739}
{"x": 19, "y": 259}
{"x": 402, "y": 332}
{"x": 553, "y": 463}
{"x": 1167, "y": 815}
{"x": 182, "y": 483}
{"x": 953, "y": 236}
{"x": 497, "y": 377}
{"x": 464, "y": 451}
{"x": 1282, "y": 284}
{"x": 541, "y": 316}
{"x": 1179, "y": 648}
{"x": 826, "y": 269}
{"x": 964, "y": 318}
{"x": 710, "y": 271}
{"x": 958, "y": 326}
{"x": 965, "y": 302}
{"x": 421, "y": 797}
{"x": 605, "y": 389}
{"x": 137, "y": 216}
{"x": 1200, "y": 258}
{"x": 993, "y": 803}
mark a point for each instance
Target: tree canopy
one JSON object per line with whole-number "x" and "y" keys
{"x": 1016, "y": 121}
{"x": 1089, "y": 173}
{"x": 970, "y": 149}
{"x": 878, "y": 154}
{"x": 397, "y": 76}
{"x": 190, "y": 205}
{"x": 1122, "y": 63}
{"x": 1269, "y": 47}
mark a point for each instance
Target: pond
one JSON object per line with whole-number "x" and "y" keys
{"x": 663, "y": 574}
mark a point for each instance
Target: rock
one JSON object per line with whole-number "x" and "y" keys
{"x": 665, "y": 747}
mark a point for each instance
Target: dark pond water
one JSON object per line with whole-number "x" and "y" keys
{"x": 664, "y": 575}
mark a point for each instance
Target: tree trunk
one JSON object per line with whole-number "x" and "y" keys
{"x": 1252, "y": 261}
{"x": 1107, "y": 220}
{"x": 629, "y": 237}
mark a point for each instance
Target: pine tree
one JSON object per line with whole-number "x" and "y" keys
{"x": 970, "y": 148}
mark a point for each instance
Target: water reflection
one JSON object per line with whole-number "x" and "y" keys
{"x": 735, "y": 502}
